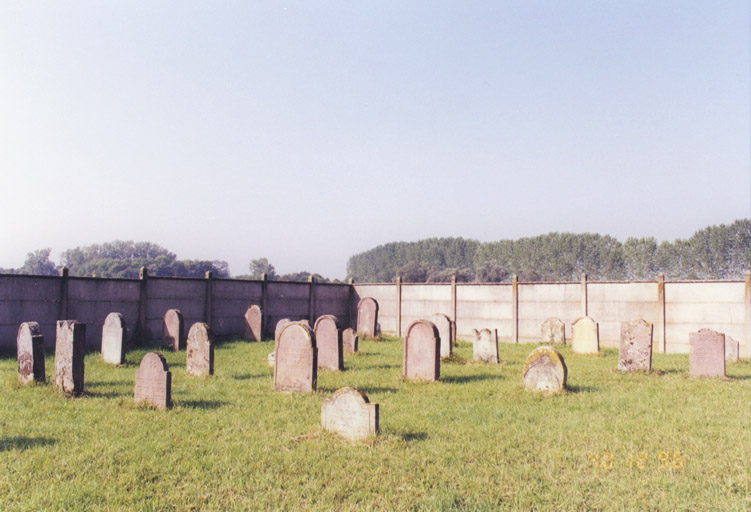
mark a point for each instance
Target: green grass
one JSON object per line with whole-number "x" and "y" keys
{"x": 473, "y": 441}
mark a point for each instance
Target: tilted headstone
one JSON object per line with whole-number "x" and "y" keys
{"x": 350, "y": 340}
{"x": 329, "y": 343}
{"x": 485, "y": 348}
{"x": 367, "y": 317}
{"x": 707, "y": 354}
{"x": 70, "y": 345}
{"x": 296, "y": 365}
{"x": 199, "y": 360}
{"x": 553, "y": 331}
{"x": 253, "y": 323}
{"x": 153, "y": 381}
{"x": 174, "y": 330}
{"x": 545, "y": 371}
{"x": 281, "y": 324}
{"x": 422, "y": 359}
{"x": 30, "y": 350}
{"x": 350, "y": 414}
{"x": 585, "y": 336}
{"x": 444, "y": 331}
{"x": 636, "y": 346}
{"x": 732, "y": 350}
{"x": 113, "y": 339}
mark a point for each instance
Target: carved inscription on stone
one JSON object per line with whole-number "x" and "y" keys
{"x": 30, "y": 350}
{"x": 350, "y": 340}
{"x": 553, "y": 331}
{"x": 329, "y": 343}
{"x": 174, "y": 330}
{"x": 443, "y": 323}
{"x": 585, "y": 336}
{"x": 253, "y": 323}
{"x": 367, "y": 317}
{"x": 707, "y": 354}
{"x": 70, "y": 343}
{"x": 636, "y": 346}
{"x": 113, "y": 339}
{"x": 199, "y": 360}
{"x": 296, "y": 361}
{"x": 485, "y": 347}
{"x": 545, "y": 371}
{"x": 350, "y": 414}
{"x": 153, "y": 381}
{"x": 422, "y": 351}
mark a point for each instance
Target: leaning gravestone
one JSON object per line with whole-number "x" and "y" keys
{"x": 113, "y": 339}
{"x": 545, "y": 371}
{"x": 367, "y": 317}
{"x": 732, "y": 350}
{"x": 153, "y": 382}
{"x": 422, "y": 359}
{"x": 296, "y": 361}
{"x": 174, "y": 330}
{"x": 329, "y": 343}
{"x": 30, "y": 350}
{"x": 636, "y": 346}
{"x": 585, "y": 336}
{"x": 253, "y": 323}
{"x": 485, "y": 347}
{"x": 707, "y": 354}
{"x": 70, "y": 340}
{"x": 280, "y": 325}
{"x": 350, "y": 340}
{"x": 553, "y": 331}
{"x": 350, "y": 414}
{"x": 444, "y": 331}
{"x": 200, "y": 357}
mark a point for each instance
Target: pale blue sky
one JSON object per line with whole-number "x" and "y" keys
{"x": 310, "y": 131}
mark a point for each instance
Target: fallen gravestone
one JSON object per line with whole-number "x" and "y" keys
{"x": 329, "y": 343}
{"x": 30, "y": 350}
{"x": 350, "y": 340}
{"x": 422, "y": 351}
{"x": 350, "y": 414}
{"x": 485, "y": 347}
{"x": 443, "y": 323}
{"x": 173, "y": 335}
{"x": 367, "y": 317}
{"x": 553, "y": 331}
{"x": 636, "y": 346}
{"x": 200, "y": 357}
{"x": 707, "y": 354}
{"x": 732, "y": 350}
{"x": 253, "y": 323}
{"x": 70, "y": 340}
{"x": 113, "y": 339}
{"x": 585, "y": 336}
{"x": 296, "y": 361}
{"x": 153, "y": 382}
{"x": 545, "y": 371}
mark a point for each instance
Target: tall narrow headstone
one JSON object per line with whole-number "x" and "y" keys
{"x": 636, "y": 346}
{"x": 545, "y": 370}
{"x": 585, "y": 336}
{"x": 707, "y": 353}
{"x": 70, "y": 345}
{"x": 30, "y": 350}
{"x": 153, "y": 381}
{"x": 174, "y": 330}
{"x": 553, "y": 331}
{"x": 350, "y": 414}
{"x": 443, "y": 323}
{"x": 422, "y": 359}
{"x": 367, "y": 317}
{"x": 113, "y": 339}
{"x": 329, "y": 343}
{"x": 350, "y": 340}
{"x": 732, "y": 350}
{"x": 199, "y": 360}
{"x": 485, "y": 348}
{"x": 253, "y": 323}
{"x": 296, "y": 365}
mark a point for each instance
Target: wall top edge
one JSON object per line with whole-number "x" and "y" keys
{"x": 542, "y": 283}
{"x": 168, "y": 278}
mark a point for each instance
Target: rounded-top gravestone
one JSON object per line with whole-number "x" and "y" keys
{"x": 545, "y": 371}
{"x": 350, "y": 414}
{"x": 173, "y": 335}
{"x": 367, "y": 317}
{"x": 443, "y": 323}
{"x": 113, "y": 339}
{"x": 296, "y": 360}
{"x": 422, "y": 359}
{"x": 30, "y": 352}
{"x": 153, "y": 381}
{"x": 585, "y": 336}
{"x": 329, "y": 343}
{"x": 253, "y": 323}
{"x": 199, "y": 360}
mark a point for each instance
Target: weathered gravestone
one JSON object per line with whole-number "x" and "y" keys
{"x": 350, "y": 414}
{"x": 553, "y": 331}
{"x": 636, "y": 346}
{"x": 732, "y": 350}
{"x": 367, "y": 317}
{"x": 70, "y": 340}
{"x": 350, "y": 340}
{"x": 30, "y": 350}
{"x": 545, "y": 371}
{"x": 422, "y": 359}
{"x": 329, "y": 343}
{"x": 585, "y": 336}
{"x": 281, "y": 324}
{"x": 253, "y": 323}
{"x": 296, "y": 360}
{"x": 443, "y": 323}
{"x": 174, "y": 330}
{"x": 153, "y": 381}
{"x": 113, "y": 339}
{"x": 485, "y": 347}
{"x": 707, "y": 354}
{"x": 199, "y": 360}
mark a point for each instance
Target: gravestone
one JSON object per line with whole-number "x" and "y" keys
{"x": 113, "y": 339}
{"x": 545, "y": 370}
{"x": 153, "y": 381}
{"x": 367, "y": 317}
{"x": 296, "y": 365}
{"x": 70, "y": 345}
{"x": 422, "y": 359}
{"x": 350, "y": 414}
{"x": 199, "y": 360}
{"x": 253, "y": 323}
{"x": 732, "y": 350}
{"x": 636, "y": 346}
{"x": 271, "y": 359}
{"x": 350, "y": 340}
{"x": 443, "y": 323}
{"x": 707, "y": 354}
{"x": 281, "y": 324}
{"x": 553, "y": 331}
{"x": 174, "y": 330}
{"x": 475, "y": 335}
{"x": 485, "y": 348}
{"x": 585, "y": 336}
{"x": 329, "y": 343}
{"x": 30, "y": 351}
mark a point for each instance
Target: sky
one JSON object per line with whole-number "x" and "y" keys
{"x": 307, "y": 132}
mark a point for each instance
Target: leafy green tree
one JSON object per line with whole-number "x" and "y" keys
{"x": 38, "y": 263}
{"x": 259, "y": 267}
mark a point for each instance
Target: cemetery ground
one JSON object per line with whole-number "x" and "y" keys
{"x": 475, "y": 440}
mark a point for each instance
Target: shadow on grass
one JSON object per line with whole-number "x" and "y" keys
{"x": 413, "y": 436}
{"x": 581, "y": 389}
{"x": 22, "y": 443}
{"x": 383, "y": 367}
{"x": 201, "y": 404}
{"x": 103, "y": 394}
{"x": 369, "y": 389}
{"x": 99, "y": 383}
{"x": 249, "y": 376}
{"x": 458, "y": 379}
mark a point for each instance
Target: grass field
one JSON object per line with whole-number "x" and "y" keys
{"x": 473, "y": 441}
